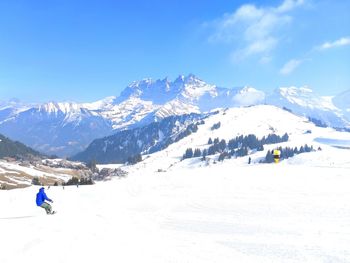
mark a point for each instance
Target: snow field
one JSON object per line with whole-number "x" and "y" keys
{"x": 221, "y": 213}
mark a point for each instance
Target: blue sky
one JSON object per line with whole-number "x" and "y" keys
{"x": 82, "y": 50}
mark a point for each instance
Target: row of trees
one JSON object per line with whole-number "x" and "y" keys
{"x": 287, "y": 152}
{"x": 73, "y": 181}
{"x": 238, "y": 146}
{"x": 76, "y": 181}
{"x": 190, "y": 153}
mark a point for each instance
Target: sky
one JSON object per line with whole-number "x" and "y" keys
{"x": 85, "y": 50}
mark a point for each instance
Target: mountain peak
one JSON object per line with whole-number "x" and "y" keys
{"x": 53, "y": 107}
{"x": 191, "y": 78}
{"x": 180, "y": 78}
{"x": 161, "y": 90}
{"x": 295, "y": 91}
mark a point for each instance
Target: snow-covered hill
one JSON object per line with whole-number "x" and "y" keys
{"x": 342, "y": 101}
{"x": 168, "y": 210}
{"x": 305, "y": 102}
{"x": 260, "y": 120}
{"x": 228, "y": 212}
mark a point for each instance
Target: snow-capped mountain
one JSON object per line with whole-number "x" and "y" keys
{"x": 56, "y": 128}
{"x": 303, "y": 101}
{"x": 148, "y": 100}
{"x": 67, "y": 128}
{"x": 12, "y": 107}
{"x": 342, "y": 102}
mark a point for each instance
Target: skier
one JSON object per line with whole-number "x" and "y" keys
{"x": 41, "y": 197}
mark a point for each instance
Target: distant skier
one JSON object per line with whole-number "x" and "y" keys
{"x": 41, "y": 197}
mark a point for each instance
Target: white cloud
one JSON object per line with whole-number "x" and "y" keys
{"x": 289, "y": 5}
{"x": 258, "y": 47}
{"x": 290, "y": 66}
{"x": 265, "y": 60}
{"x": 254, "y": 30}
{"x": 248, "y": 96}
{"x": 344, "y": 41}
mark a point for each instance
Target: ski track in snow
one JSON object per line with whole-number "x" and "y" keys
{"x": 222, "y": 213}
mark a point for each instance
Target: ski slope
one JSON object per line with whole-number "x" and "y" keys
{"x": 289, "y": 212}
{"x": 260, "y": 120}
{"x": 167, "y": 210}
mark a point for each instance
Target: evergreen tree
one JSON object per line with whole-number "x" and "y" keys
{"x": 243, "y": 151}
{"x": 188, "y": 153}
{"x": 296, "y": 151}
{"x": 285, "y": 137}
{"x": 216, "y": 126}
{"x": 197, "y": 153}
{"x": 86, "y": 181}
{"x": 260, "y": 148}
{"x": 269, "y": 157}
{"x": 210, "y": 141}
{"x": 222, "y": 145}
{"x": 135, "y": 159}
{"x": 222, "y": 156}
{"x": 35, "y": 181}
{"x": 232, "y": 144}
{"x": 204, "y": 154}
{"x": 73, "y": 181}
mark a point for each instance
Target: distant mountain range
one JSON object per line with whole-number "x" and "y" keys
{"x": 67, "y": 128}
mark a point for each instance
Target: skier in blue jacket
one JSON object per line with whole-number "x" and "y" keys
{"x": 41, "y": 197}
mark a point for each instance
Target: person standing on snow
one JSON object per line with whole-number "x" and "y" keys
{"x": 41, "y": 197}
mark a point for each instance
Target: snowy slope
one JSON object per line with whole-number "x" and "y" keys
{"x": 305, "y": 102}
{"x": 222, "y": 213}
{"x": 260, "y": 120}
{"x": 342, "y": 101}
{"x": 294, "y": 211}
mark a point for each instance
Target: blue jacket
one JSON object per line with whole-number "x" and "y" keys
{"x": 41, "y": 197}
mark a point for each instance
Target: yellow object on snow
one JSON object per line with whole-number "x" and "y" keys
{"x": 276, "y": 155}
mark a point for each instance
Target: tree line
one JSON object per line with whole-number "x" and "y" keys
{"x": 238, "y": 146}
{"x": 287, "y": 152}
